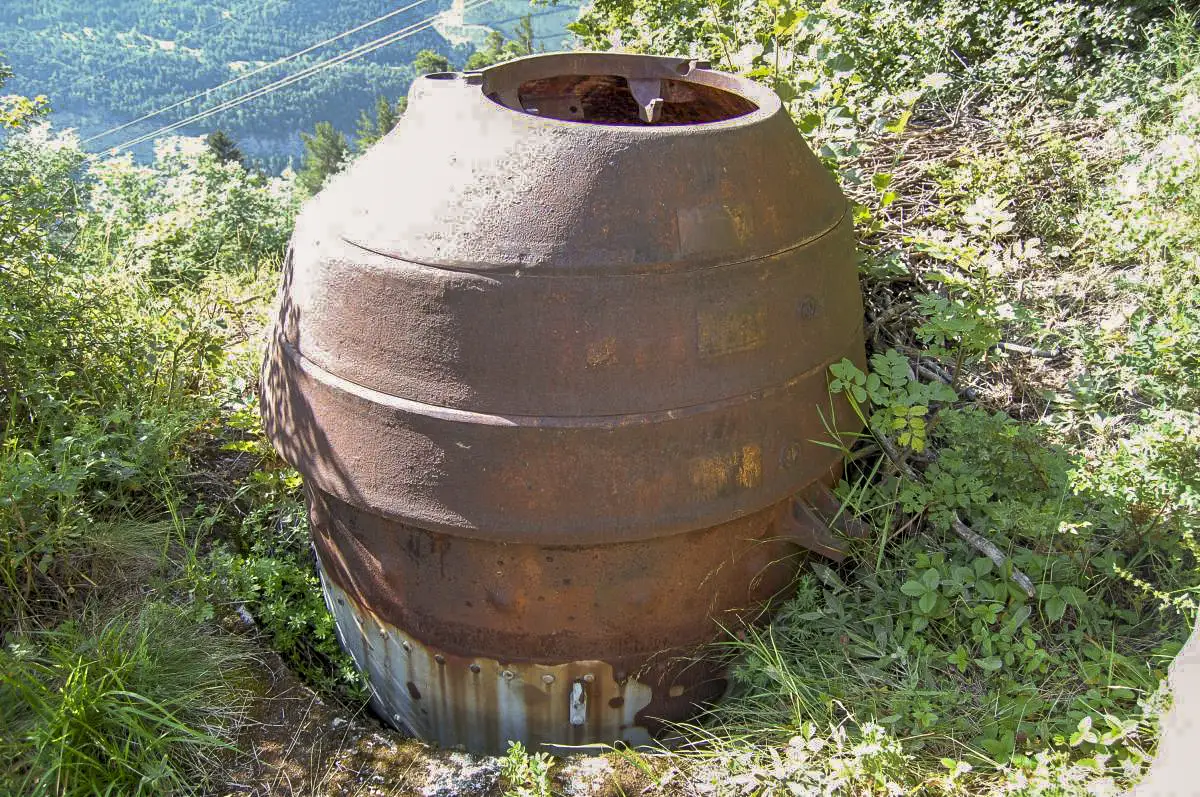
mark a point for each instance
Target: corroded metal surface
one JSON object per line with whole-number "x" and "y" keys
{"x": 552, "y": 361}
{"x": 480, "y": 702}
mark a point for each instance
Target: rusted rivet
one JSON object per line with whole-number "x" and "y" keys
{"x": 547, "y": 678}
{"x": 588, "y": 678}
{"x": 475, "y": 668}
{"x": 439, "y": 658}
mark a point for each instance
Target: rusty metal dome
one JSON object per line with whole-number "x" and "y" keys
{"x": 551, "y": 358}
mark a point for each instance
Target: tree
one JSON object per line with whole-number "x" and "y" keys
{"x": 522, "y": 43}
{"x": 428, "y": 61}
{"x": 497, "y": 49}
{"x": 371, "y": 129}
{"x": 225, "y": 148}
{"x": 325, "y": 151}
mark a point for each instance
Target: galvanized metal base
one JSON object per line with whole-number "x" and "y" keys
{"x": 482, "y": 703}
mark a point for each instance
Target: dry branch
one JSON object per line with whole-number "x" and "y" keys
{"x": 965, "y": 532}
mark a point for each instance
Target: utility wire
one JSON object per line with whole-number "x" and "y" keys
{"x": 254, "y": 72}
{"x": 346, "y": 57}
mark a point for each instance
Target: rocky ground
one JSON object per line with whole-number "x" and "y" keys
{"x": 296, "y": 743}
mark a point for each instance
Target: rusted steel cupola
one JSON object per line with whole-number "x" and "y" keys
{"x": 551, "y": 359}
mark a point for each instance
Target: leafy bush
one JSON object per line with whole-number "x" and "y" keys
{"x": 525, "y": 774}
{"x": 121, "y": 305}
{"x": 186, "y": 216}
{"x": 266, "y": 565}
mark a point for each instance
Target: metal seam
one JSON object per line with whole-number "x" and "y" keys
{"x": 354, "y": 597}
{"x": 528, "y": 272}
{"x": 454, "y": 414}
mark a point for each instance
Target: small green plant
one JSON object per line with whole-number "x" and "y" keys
{"x": 525, "y": 774}
{"x": 265, "y": 563}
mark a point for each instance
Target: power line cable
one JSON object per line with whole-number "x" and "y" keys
{"x": 346, "y": 57}
{"x": 254, "y": 72}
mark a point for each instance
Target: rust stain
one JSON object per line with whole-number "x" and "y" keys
{"x": 741, "y": 221}
{"x": 722, "y": 332}
{"x": 750, "y": 466}
{"x": 601, "y": 353}
{"x": 718, "y": 475}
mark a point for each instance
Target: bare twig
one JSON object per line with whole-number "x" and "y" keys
{"x": 965, "y": 532}
{"x": 1017, "y": 348}
{"x": 934, "y": 371}
{"x": 888, "y": 315}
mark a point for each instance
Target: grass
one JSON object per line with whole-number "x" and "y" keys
{"x": 136, "y": 702}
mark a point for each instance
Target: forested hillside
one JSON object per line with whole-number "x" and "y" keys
{"x": 109, "y": 62}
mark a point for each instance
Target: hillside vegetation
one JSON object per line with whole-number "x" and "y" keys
{"x": 108, "y": 63}
{"x": 1026, "y": 187}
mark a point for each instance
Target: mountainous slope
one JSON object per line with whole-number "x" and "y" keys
{"x": 107, "y": 62}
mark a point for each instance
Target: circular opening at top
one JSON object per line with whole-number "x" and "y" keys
{"x": 441, "y": 76}
{"x": 618, "y": 100}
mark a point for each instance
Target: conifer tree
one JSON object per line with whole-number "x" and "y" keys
{"x": 325, "y": 152}
{"x": 225, "y": 148}
{"x": 372, "y": 128}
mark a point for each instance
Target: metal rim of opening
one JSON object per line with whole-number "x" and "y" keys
{"x": 506, "y": 78}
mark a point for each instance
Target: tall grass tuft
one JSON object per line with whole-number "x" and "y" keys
{"x": 137, "y": 703}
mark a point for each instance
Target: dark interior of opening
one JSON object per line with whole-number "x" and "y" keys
{"x": 609, "y": 100}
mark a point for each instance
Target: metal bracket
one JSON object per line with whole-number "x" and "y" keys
{"x": 648, "y": 93}
{"x": 809, "y": 520}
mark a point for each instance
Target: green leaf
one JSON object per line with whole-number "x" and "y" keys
{"x": 1073, "y": 595}
{"x": 1056, "y": 607}
{"x": 991, "y": 663}
{"x": 913, "y": 589}
{"x": 931, "y": 578}
{"x": 927, "y": 602}
{"x": 1083, "y": 733}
